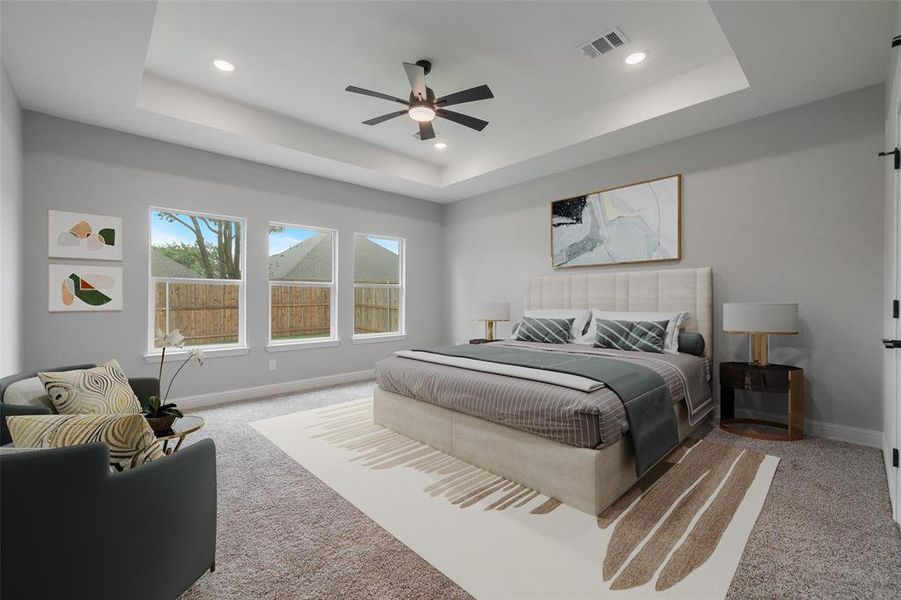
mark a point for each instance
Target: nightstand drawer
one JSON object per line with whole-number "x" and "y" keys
{"x": 746, "y": 377}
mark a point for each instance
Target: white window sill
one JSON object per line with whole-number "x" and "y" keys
{"x": 288, "y": 346}
{"x": 181, "y": 354}
{"x": 375, "y": 338}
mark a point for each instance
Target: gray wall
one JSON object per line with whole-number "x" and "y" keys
{"x": 11, "y": 202}
{"x": 81, "y": 168}
{"x": 786, "y": 207}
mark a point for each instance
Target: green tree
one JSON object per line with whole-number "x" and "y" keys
{"x": 189, "y": 255}
{"x": 219, "y": 261}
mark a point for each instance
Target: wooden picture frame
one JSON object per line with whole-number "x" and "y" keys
{"x": 636, "y": 223}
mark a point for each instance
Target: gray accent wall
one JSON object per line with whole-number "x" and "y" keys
{"x": 786, "y": 207}
{"x": 11, "y": 238}
{"x": 81, "y": 168}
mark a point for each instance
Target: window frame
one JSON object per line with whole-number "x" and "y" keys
{"x": 210, "y": 350}
{"x": 333, "y": 339}
{"x": 389, "y": 336}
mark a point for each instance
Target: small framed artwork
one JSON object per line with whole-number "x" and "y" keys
{"x": 640, "y": 222}
{"x": 74, "y": 288}
{"x": 77, "y": 235}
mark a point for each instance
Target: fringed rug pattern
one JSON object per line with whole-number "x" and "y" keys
{"x": 679, "y": 532}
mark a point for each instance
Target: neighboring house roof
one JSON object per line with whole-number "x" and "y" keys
{"x": 163, "y": 266}
{"x": 310, "y": 260}
{"x": 374, "y": 263}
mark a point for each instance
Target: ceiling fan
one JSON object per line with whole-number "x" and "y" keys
{"x": 423, "y": 107}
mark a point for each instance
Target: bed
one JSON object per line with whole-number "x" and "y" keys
{"x": 571, "y": 444}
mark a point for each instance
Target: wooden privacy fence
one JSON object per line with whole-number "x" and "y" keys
{"x": 208, "y": 313}
{"x": 204, "y": 313}
{"x": 299, "y": 312}
{"x": 376, "y": 309}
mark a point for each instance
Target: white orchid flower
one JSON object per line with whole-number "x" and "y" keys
{"x": 169, "y": 340}
{"x": 196, "y": 354}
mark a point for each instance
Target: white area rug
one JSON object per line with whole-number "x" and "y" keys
{"x": 679, "y": 534}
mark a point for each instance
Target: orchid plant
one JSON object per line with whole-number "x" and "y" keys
{"x": 157, "y": 406}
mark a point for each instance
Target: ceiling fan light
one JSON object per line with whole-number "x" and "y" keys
{"x": 421, "y": 113}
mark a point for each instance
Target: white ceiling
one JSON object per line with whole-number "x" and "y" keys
{"x": 145, "y": 68}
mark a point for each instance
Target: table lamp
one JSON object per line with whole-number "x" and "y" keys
{"x": 490, "y": 312}
{"x": 760, "y": 320}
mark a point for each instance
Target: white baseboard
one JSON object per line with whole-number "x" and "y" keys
{"x": 832, "y": 431}
{"x": 271, "y": 389}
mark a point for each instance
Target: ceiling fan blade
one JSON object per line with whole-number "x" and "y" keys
{"x": 482, "y": 92}
{"x": 416, "y": 75}
{"x": 358, "y": 90}
{"x": 426, "y": 131}
{"x": 466, "y": 120}
{"x": 384, "y": 118}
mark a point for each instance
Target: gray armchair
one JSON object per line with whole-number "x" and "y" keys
{"x": 69, "y": 528}
{"x": 143, "y": 387}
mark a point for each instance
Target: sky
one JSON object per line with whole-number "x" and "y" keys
{"x": 163, "y": 233}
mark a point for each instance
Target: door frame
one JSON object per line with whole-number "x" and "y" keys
{"x": 891, "y": 329}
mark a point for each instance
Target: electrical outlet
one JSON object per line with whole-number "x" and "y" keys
{"x": 272, "y": 364}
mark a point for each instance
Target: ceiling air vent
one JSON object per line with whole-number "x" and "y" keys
{"x": 604, "y": 44}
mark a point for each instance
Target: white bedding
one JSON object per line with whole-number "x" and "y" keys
{"x": 582, "y": 384}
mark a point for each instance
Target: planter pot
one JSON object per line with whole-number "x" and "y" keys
{"x": 161, "y": 424}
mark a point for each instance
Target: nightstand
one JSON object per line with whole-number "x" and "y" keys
{"x": 769, "y": 379}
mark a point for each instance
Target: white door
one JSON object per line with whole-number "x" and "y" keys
{"x": 891, "y": 329}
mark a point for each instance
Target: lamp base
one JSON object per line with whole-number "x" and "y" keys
{"x": 759, "y": 349}
{"x": 489, "y": 330}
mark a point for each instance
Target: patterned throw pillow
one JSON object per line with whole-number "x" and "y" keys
{"x": 101, "y": 390}
{"x": 130, "y": 439}
{"x": 640, "y": 336}
{"x": 549, "y": 331}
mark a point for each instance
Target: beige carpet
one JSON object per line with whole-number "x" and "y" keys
{"x": 680, "y": 535}
{"x": 824, "y": 532}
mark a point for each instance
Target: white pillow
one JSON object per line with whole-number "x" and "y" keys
{"x": 580, "y": 317}
{"x": 28, "y": 392}
{"x": 670, "y": 344}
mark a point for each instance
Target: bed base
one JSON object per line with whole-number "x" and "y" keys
{"x": 584, "y": 478}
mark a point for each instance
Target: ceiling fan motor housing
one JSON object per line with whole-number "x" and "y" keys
{"x": 429, "y": 97}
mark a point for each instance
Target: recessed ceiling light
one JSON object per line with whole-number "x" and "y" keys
{"x": 223, "y": 65}
{"x": 440, "y": 145}
{"x": 636, "y": 57}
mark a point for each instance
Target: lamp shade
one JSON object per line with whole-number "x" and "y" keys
{"x": 760, "y": 317}
{"x": 491, "y": 311}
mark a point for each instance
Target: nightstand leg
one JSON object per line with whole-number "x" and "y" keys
{"x": 727, "y": 403}
{"x": 796, "y": 405}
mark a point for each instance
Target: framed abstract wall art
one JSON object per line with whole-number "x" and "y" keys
{"x": 77, "y": 235}
{"x": 75, "y": 288}
{"x": 640, "y": 222}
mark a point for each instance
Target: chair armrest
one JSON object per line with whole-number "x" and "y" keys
{"x": 10, "y": 410}
{"x": 144, "y": 388}
{"x": 147, "y": 533}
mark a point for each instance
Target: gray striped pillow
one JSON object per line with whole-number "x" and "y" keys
{"x": 639, "y": 336}
{"x": 548, "y": 331}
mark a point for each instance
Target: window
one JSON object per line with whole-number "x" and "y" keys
{"x": 378, "y": 286}
{"x": 302, "y": 293}
{"x": 197, "y": 277}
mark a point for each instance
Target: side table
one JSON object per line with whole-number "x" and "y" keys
{"x": 769, "y": 379}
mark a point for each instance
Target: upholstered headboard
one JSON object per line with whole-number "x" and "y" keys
{"x": 667, "y": 290}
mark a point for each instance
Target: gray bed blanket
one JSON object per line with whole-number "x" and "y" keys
{"x": 644, "y": 393}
